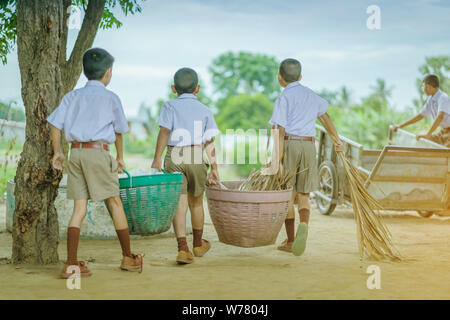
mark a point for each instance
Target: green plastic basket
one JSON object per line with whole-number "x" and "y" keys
{"x": 150, "y": 201}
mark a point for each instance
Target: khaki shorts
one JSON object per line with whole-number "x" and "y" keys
{"x": 298, "y": 156}
{"x": 92, "y": 175}
{"x": 442, "y": 137}
{"x": 194, "y": 174}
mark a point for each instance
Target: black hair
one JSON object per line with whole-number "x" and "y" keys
{"x": 96, "y": 62}
{"x": 290, "y": 70}
{"x": 185, "y": 80}
{"x": 432, "y": 80}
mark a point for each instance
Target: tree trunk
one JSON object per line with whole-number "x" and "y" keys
{"x": 46, "y": 76}
{"x": 35, "y": 225}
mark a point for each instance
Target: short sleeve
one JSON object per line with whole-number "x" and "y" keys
{"x": 322, "y": 106}
{"x": 279, "y": 115}
{"x": 120, "y": 122}
{"x": 58, "y": 115}
{"x": 426, "y": 110}
{"x": 211, "y": 129}
{"x": 166, "y": 116}
{"x": 444, "y": 105}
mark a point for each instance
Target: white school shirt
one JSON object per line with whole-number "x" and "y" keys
{"x": 91, "y": 113}
{"x": 190, "y": 121}
{"x": 297, "y": 109}
{"x": 435, "y": 104}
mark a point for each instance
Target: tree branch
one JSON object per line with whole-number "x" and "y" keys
{"x": 65, "y": 28}
{"x": 91, "y": 21}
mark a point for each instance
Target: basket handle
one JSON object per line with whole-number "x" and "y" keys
{"x": 129, "y": 177}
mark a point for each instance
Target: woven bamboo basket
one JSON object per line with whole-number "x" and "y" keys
{"x": 247, "y": 218}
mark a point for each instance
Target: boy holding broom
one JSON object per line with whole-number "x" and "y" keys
{"x": 295, "y": 113}
{"x": 437, "y": 107}
{"x": 186, "y": 126}
{"x": 92, "y": 118}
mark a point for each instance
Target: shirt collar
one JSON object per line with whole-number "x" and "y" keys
{"x": 95, "y": 83}
{"x": 292, "y": 84}
{"x": 436, "y": 95}
{"x": 187, "y": 96}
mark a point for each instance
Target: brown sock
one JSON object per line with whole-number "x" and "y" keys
{"x": 197, "y": 237}
{"x": 182, "y": 244}
{"x": 124, "y": 238}
{"x": 73, "y": 236}
{"x": 290, "y": 230}
{"x": 304, "y": 215}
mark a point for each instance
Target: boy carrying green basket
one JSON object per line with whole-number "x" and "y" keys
{"x": 92, "y": 118}
{"x": 186, "y": 128}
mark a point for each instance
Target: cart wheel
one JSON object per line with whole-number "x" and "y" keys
{"x": 425, "y": 214}
{"x": 328, "y": 185}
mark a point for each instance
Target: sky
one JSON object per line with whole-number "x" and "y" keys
{"x": 330, "y": 38}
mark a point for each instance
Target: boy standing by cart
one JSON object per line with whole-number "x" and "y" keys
{"x": 295, "y": 113}
{"x": 437, "y": 107}
{"x": 186, "y": 127}
{"x": 92, "y": 118}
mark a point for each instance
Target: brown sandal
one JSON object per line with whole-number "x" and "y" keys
{"x": 184, "y": 257}
{"x": 200, "y": 251}
{"x": 285, "y": 246}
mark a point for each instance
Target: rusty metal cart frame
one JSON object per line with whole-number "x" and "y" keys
{"x": 401, "y": 178}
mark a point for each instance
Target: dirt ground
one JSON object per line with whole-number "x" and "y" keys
{"x": 329, "y": 269}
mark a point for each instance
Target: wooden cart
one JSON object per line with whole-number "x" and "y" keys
{"x": 409, "y": 175}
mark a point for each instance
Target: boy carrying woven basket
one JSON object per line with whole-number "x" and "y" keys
{"x": 92, "y": 118}
{"x": 295, "y": 113}
{"x": 186, "y": 127}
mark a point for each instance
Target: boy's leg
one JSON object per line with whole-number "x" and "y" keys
{"x": 130, "y": 261}
{"x": 179, "y": 226}
{"x": 289, "y": 225}
{"x": 115, "y": 208}
{"x": 73, "y": 230}
{"x": 200, "y": 245}
{"x": 73, "y": 237}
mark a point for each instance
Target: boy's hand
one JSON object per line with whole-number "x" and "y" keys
{"x": 157, "y": 164}
{"x": 395, "y": 127}
{"x": 58, "y": 161}
{"x": 213, "y": 176}
{"x": 120, "y": 165}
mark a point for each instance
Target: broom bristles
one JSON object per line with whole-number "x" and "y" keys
{"x": 374, "y": 238}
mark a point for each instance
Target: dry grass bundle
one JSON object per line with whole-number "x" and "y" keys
{"x": 257, "y": 181}
{"x": 374, "y": 239}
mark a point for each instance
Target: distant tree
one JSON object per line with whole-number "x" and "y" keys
{"x": 330, "y": 96}
{"x": 382, "y": 90}
{"x": 344, "y": 97}
{"x": 244, "y": 73}
{"x": 245, "y": 111}
{"x": 9, "y": 111}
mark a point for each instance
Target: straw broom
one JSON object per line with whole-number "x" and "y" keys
{"x": 374, "y": 239}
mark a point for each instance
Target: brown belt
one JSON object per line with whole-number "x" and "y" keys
{"x": 89, "y": 145}
{"x": 298, "y": 138}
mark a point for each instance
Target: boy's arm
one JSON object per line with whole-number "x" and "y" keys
{"x": 163, "y": 140}
{"x": 407, "y": 122}
{"x": 277, "y": 153}
{"x": 331, "y": 129}
{"x": 434, "y": 126}
{"x": 211, "y": 154}
{"x": 119, "y": 149}
{"x": 58, "y": 156}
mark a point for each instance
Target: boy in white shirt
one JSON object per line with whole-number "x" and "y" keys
{"x": 294, "y": 115}
{"x": 186, "y": 126}
{"x": 92, "y": 118}
{"x": 437, "y": 107}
